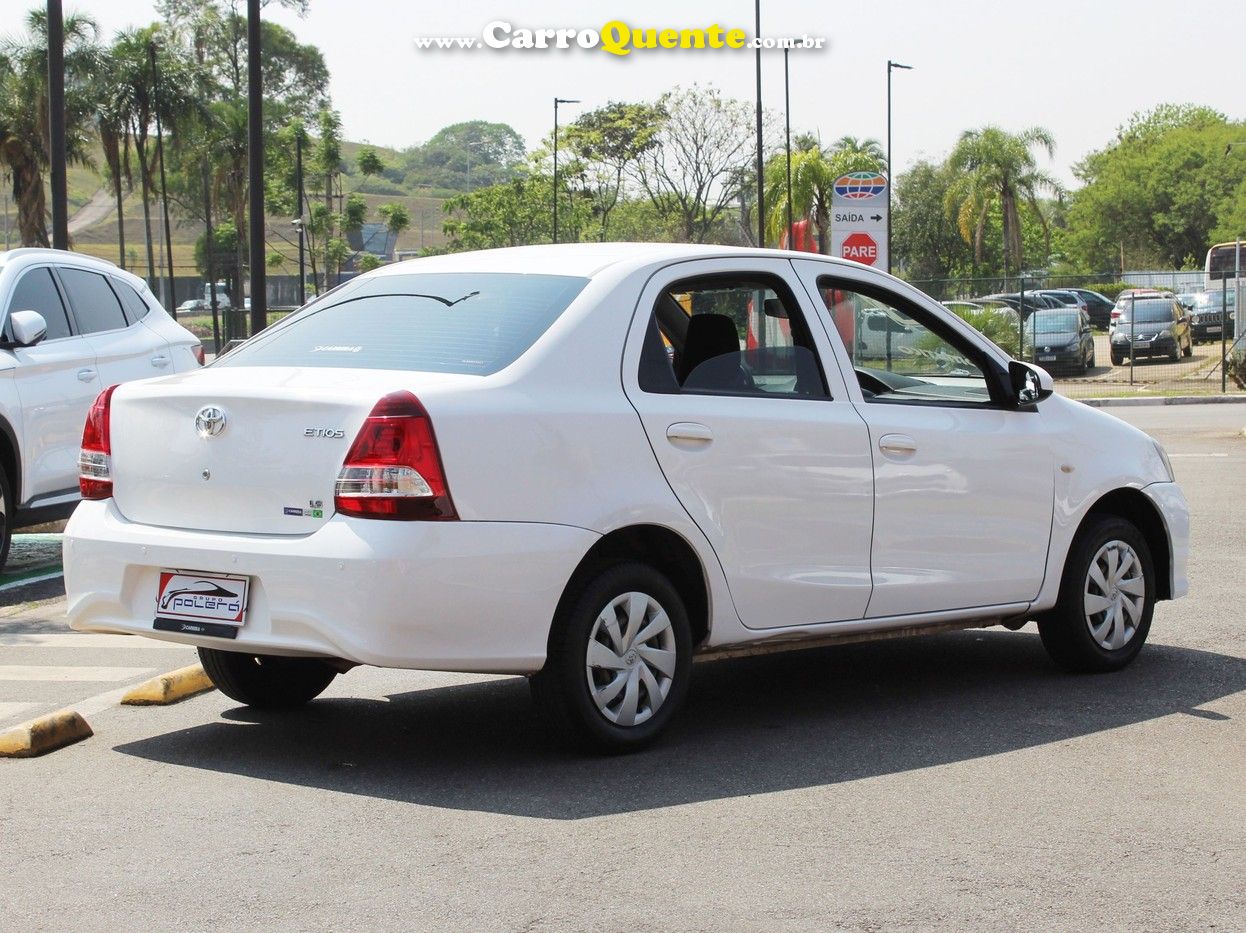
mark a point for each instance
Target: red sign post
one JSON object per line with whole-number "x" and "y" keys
{"x": 860, "y": 247}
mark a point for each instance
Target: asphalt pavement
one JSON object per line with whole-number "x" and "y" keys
{"x": 945, "y": 782}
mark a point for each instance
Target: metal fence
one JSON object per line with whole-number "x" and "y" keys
{"x": 1192, "y": 354}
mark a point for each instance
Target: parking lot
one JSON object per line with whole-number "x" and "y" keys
{"x": 1198, "y": 374}
{"x": 953, "y": 781}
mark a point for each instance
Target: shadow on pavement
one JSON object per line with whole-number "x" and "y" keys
{"x": 751, "y": 726}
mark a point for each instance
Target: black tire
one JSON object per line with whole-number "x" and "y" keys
{"x": 1175, "y": 355}
{"x": 266, "y": 681}
{"x": 1118, "y": 360}
{"x": 1189, "y": 349}
{"x": 1066, "y": 630}
{"x": 7, "y": 510}
{"x": 561, "y": 688}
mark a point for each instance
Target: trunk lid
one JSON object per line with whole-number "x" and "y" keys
{"x": 269, "y": 469}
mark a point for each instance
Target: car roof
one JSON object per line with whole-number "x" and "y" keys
{"x": 34, "y": 255}
{"x": 585, "y": 259}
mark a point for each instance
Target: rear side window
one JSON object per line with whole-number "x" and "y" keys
{"x": 36, "y": 291}
{"x": 135, "y": 307}
{"x": 95, "y": 305}
{"x": 469, "y": 323}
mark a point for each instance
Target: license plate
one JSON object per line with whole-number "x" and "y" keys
{"x": 1213, "y": 328}
{"x": 1141, "y": 342}
{"x": 201, "y": 603}
{"x": 1047, "y": 359}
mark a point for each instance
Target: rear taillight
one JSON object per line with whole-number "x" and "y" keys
{"x": 198, "y": 351}
{"x": 393, "y": 470}
{"x": 95, "y": 458}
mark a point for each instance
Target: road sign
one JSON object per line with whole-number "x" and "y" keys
{"x": 859, "y": 205}
{"x": 860, "y": 247}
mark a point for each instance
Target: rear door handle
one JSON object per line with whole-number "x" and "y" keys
{"x": 689, "y": 431}
{"x": 160, "y": 361}
{"x": 86, "y": 375}
{"x": 897, "y": 444}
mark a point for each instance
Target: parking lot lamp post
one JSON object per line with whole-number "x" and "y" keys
{"x": 255, "y": 168}
{"x": 557, "y": 101}
{"x": 891, "y": 66}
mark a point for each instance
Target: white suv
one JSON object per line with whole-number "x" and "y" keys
{"x": 72, "y": 325}
{"x": 589, "y": 463}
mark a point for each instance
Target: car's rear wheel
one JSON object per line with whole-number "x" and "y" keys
{"x": 264, "y": 680}
{"x": 1189, "y": 347}
{"x": 1107, "y": 596}
{"x": 619, "y": 660}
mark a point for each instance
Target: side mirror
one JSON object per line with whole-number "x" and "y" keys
{"x": 27, "y": 327}
{"x": 1030, "y": 384}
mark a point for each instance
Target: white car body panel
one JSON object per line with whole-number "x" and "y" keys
{"x": 46, "y": 389}
{"x": 561, "y": 448}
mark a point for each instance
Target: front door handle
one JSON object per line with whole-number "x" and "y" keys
{"x": 86, "y": 375}
{"x": 897, "y": 444}
{"x": 161, "y": 361}
{"x": 689, "y": 431}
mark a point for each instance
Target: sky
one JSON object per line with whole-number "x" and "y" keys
{"x": 1080, "y": 69}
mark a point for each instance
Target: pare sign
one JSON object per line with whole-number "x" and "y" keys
{"x": 860, "y": 247}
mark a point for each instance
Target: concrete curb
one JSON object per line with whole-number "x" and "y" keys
{"x": 1130, "y": 402}
{"x": 43, "y": 735}
{"x": 172, "y": 687}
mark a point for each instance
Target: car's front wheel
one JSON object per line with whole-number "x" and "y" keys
{"x": 6, "y": 517}
{"x": 264, "y": 680}
{"x": 1107, "y": 596}
{"x": 619, "y": 660}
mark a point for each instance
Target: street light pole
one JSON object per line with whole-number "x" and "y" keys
{"x": 255, "y": 168}
{"x": 787, "y": 118}
{"x": 891, "y": 66}
{"x": 557, "y": 101}
{"x": 761, "y": 198}
{"x": 56, "y": 124}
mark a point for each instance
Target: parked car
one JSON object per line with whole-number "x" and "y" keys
{"x": 1031, "y": 304}
{"x": 1064, "y": 298}
{"x": 1206, "y": 311}
{"x": 1099, "y": 307}
{"x": 71, "y": 326}
{"x": 1129, "y": 295}
{"x": 191, "y": 306}
{"x": 1158, "y": 326}
{"x": 489, "y": 462}
{"x": 1062, "y": 339}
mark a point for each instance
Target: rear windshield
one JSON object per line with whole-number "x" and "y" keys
{"x": 469, "y": 323}
{"x": 1055, "y": 323}
{"x": 1149, "y": 311}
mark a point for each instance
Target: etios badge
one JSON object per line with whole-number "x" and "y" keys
{"x": 210, "y": 421}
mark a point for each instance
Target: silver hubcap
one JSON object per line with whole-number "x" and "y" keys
{"x": 630, "y": 661}
{"x": 1115, "y": 595}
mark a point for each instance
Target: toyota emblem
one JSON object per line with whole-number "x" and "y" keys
{"x": 210, "y": 421}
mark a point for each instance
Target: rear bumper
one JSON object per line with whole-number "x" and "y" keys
{"x": 460, "y": 596}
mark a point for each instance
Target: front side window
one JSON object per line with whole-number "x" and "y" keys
{"x": 902, "y": 353}
{"x": 36, "y": 291}
{"x": 467, "y": 323}
{"x": 730, "y": 335}
{"x": 95, "y": 305}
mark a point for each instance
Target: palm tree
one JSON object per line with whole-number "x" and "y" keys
{"x": 814, "y": 171}
{"x": 24, "y": 130}
{"x": 997, "y": 167}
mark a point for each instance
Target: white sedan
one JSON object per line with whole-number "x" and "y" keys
{"x": 591, "y": 463}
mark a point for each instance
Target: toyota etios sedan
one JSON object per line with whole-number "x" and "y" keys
{"x": 591, "y": 463}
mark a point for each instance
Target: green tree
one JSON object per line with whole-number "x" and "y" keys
{"x": 24, "y": 146}
{"x": 1160, "y": 193}
{"x": 467, "y": 155}
{"x": 369, "y": 162}
{"x": 608, "y": 142}
{"x": 993, "y": 166}
{"x": 814, "y": 171}
{"x": 926, "y": 241}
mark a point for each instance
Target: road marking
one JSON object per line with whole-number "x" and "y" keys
{"x": 13, "y": 710}
{"x": 65, "y": 675}
{"x": 30, "y": 580}
{"x": 71, "y": 640}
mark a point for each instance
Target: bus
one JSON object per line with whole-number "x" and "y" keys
{"x": 1223, "y": 262}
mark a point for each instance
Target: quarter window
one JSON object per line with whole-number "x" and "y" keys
{"x": 903, "y": 354}
{"x": 36, "y": 291}
{"x": 730, "y": 335}
{"x": 95, "y": 305}
{"x": 135, "y": 307}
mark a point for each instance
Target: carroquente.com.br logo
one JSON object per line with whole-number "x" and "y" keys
{"x": 616, "y": 38}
